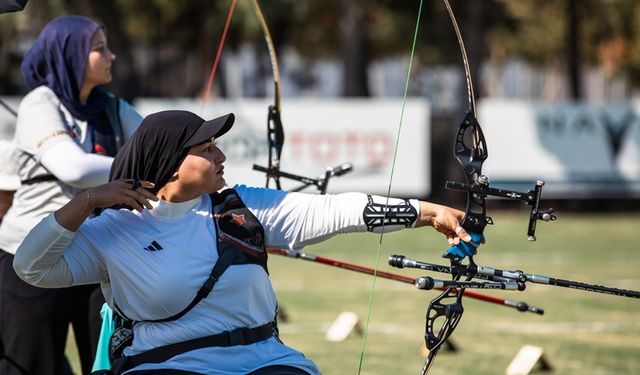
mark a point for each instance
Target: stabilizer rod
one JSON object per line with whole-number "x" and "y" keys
{"x": 401, "y": 261}
{"x": 518, "y": 305}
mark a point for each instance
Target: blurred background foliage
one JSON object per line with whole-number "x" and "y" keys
{"x": 161, "y": 42}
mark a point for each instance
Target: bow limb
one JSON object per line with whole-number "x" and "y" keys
{"x": 465, "y": 59}
{"x": 272, "y": 51}
{"x": 470, "y": 157}
{"x": 275, "y": 130}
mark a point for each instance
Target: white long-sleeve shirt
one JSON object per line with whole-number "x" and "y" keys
{"x": 151, "y": 285}
{"x": 49, "y": 140}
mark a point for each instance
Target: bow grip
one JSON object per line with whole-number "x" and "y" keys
{"x": 464, "y": 249}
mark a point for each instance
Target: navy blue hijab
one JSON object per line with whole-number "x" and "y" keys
{"x": 58, "y": 59}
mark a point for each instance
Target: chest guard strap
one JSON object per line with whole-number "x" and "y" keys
{"x": 238, "y": 228}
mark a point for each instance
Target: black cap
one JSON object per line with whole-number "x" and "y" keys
{"x": 210, "y": 129}
{"x": 161, "y": 142}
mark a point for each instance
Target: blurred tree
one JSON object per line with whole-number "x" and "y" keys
{"x": 565, "y": 32}
{"x": 574, "y": 61}
{"x": 355, "y": 48}
{"x": 611, "y": 36}
{"x": 17, "y": 30}
{"x": 176, "y": 42}
{"x": 166, "y": 47}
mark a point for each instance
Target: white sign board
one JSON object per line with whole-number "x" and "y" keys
{"x": 325, "y": 133}
{"x": 579, "y": 150}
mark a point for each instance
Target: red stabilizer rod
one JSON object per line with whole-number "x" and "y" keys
{"x": 518, "y": 305}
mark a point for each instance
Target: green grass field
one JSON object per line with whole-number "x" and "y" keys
{"x": 581, "y": 332}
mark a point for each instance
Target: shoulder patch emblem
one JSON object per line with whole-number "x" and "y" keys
{"x": 238, "y": 219}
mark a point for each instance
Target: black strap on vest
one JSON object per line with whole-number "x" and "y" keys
{"x": 37, "y": 179}
{"x": 112, "y": 110}
{"x": 240, "y": 336}
{"x": 224, "y": 261}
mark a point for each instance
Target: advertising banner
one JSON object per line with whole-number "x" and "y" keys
{"x": 321, "y": 134}
{"x": 579, "y": 150}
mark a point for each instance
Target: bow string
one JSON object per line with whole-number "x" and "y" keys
{"x": 388, "y": 195}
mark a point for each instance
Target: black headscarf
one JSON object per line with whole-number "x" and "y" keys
{"x": 160, "y": 144}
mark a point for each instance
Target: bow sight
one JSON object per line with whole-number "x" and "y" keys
{"x": 532, "y": 198}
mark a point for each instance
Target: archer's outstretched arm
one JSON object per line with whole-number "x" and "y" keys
{"x": 294, "y": 220}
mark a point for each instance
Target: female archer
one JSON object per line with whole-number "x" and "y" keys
{"x": 184, "y": 257}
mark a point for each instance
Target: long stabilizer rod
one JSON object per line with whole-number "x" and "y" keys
{"x": 401, "y": 261}
{"x": 518, "y": 305}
